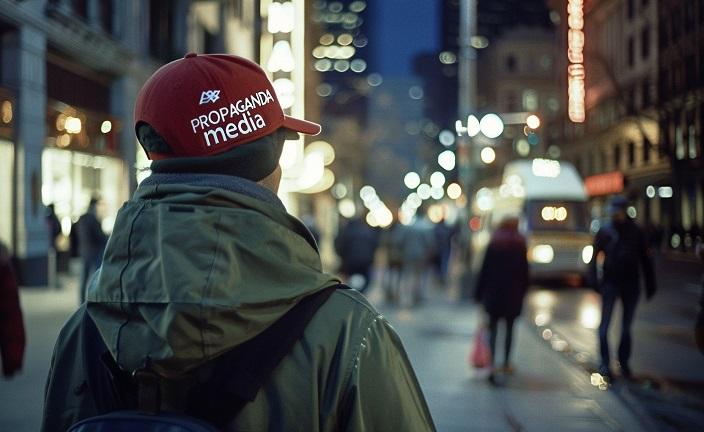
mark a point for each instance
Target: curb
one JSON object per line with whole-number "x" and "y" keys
{"x": 560, "y": 346}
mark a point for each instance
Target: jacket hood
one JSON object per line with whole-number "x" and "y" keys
{"x": 192, "y": 271}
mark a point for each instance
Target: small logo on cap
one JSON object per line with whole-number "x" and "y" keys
{"x": 209, "y": 96}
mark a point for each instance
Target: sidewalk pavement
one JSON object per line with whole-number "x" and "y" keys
{"x": 44, "y": 312}
{"x": 547, "y": 392}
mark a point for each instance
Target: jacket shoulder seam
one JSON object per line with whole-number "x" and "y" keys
{"x": 368, "y": 308}
{"x": 370, "y": 317}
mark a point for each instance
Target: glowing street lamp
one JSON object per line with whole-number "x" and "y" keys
{"x": 533, "y": 121}
{"x": 411, "y": 180}
{"x": 488, "y": 155}
{"x": 473, "y": 126}
{"x": 447, "y": 160}
{"x": 454, "y": 191}
{"x": 491, "y": 125}
{"x": 437, "y": 179}
{"x": 73, "y": 125}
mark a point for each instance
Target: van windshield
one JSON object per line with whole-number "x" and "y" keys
{"x": 557, "y": 216}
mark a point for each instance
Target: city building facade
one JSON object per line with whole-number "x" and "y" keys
{"x": 70, "y": 71}
{"x": 680, "y": 102}
{"x": 69, "y": 74}
{"x": 616, "y": 144}
{"x": 518, "y": 67}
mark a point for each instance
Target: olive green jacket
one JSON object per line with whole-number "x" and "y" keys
{"x": 193, "y": 271}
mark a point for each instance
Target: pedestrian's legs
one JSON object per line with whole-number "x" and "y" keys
{"x": 608, "y": 300}
{"x": 629, "y": 297}
{"x": 396, "y": 283}
{"x": 426, "y": 274}
{"x": 493, "y": 329}
{"x": 509, "y": 339}
{"x": 417, "y": 286}
{"x": 408, "y": 285}
{"x": 367, "y": 273}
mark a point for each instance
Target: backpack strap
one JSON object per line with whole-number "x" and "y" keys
{"x": 238, "y": 374}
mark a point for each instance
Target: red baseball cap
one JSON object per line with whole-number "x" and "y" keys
{"x": 204, "y": 105}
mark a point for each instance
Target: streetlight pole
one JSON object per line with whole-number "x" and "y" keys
{"x": 467, "y": 58}
{"x": 467, "y": 86}
{"x": 467, "y": 100}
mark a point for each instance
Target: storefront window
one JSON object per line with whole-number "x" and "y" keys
{"x": 71, "y": 178}
{"x": 80, "y": 161}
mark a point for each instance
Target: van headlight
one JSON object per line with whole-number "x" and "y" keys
{"x": 542, "y": 254}
{"x": 587, "y": 254}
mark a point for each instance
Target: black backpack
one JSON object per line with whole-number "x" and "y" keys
{"x": 235, "y": 380}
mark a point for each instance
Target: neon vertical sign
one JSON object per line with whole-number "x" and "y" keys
{"x": 575, "y": 57}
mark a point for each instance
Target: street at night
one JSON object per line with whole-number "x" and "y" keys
{"x": 547, "y": 391}
{"x": 352, "y": 215}
{"x": 668, "y": 386}
{"x": 552, "y": 388}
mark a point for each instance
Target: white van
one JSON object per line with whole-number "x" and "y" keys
{"x": 549, "y": 198}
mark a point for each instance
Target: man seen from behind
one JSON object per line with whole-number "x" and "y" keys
{"x": 204, "y": 258}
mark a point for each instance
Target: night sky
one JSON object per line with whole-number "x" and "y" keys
{"x": 399, "y": 30}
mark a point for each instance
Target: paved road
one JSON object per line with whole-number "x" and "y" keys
{"x": 669, "y": 384}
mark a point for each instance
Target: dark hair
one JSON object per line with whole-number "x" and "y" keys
{"x": 150, "y": 139}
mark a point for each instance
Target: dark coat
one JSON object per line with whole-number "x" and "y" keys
{"x": 503, "y": 279}
{"x": 91, "y": 239}
{"x": 12, "y": 336}
{"x": 356, "y": 245}
{"x": 627, "y": 254}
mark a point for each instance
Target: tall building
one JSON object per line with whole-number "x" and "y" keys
{"x": 615, "y": 142}
{"x": 518, "y": 75}
{"x": 498, "y": 16}
{"x": 515, "y": 46}
{"x": 680, "y": 101}
{"x": 373, "y": 98}
{"x": 70, "y": 72}
{"x": 404, "y": 136}
{"x": 339, "y": 53}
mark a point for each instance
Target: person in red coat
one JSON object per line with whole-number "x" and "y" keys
{"x": 502, "y": 283}
{"x": 12, "y": 337}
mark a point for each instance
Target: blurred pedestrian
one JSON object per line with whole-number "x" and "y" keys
{"x": 392, "y": 243}
{"x": 12, "y": 335}
{"x": 699, "y": 324}
{"x": 91, "y": 244}
{"x": 443, "y": 241}
{"x": 626, "y": 253}
{"x": 210, "y": 290}
{"x": 502, "y": 285}
{"x": 54, "y": 230}
{"x": 418, "y": 245}
{"x": 53, "y": 225}
{"x": 356, "y": 245}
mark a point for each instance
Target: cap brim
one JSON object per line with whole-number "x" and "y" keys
{"x": 302, "y": 126}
